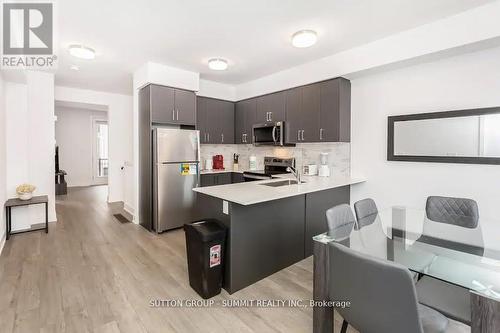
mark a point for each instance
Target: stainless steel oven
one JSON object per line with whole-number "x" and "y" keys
{"x": 272, "y": 166}
{"x": 272, "y": 134}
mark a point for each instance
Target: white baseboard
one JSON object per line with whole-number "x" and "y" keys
{"x": 129, "y": 209}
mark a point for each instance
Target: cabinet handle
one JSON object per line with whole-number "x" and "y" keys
{"x": 321, "y": 134}
{"x": 222, "y": 137}
{"x": 173, "y": 114}
{"x": 177, "y": 114}
{"x": 270, "y": 116}
{"x": 298, "y": 135}
{"x": 302, "y": 135}
{"x": 208, "y": 137}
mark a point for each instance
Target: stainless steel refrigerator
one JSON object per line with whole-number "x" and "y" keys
{"x": 176, "y": 171}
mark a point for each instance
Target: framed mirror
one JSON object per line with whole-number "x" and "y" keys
{"x": 463, "y": 136}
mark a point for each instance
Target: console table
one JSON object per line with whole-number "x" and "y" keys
{"x": 42, "y": 199}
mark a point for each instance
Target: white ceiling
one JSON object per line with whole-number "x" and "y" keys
{"x": 253, "y": 35}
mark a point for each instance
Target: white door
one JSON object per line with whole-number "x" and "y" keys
{"x": 100, "y": 161}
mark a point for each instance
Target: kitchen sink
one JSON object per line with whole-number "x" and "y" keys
{"x": 287, "y": 182}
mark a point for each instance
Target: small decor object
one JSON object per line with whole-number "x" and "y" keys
{"x": 25, "y": 191}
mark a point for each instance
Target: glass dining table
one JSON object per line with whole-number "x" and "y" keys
{"x": 464, "y": 257}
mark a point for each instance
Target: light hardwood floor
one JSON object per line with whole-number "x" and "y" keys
{"x": 91, "y": 273}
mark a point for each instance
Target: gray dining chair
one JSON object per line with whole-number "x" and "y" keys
{"x": 381, "y": 293}
{"x": 366, "y": 212}
{"x": 340, "y": 220}
{"x": 449, "y": 299}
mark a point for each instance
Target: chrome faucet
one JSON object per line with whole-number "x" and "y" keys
{"x": 295, "y": 172}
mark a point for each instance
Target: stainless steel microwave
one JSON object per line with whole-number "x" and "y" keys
{"x": 271, "y": 134}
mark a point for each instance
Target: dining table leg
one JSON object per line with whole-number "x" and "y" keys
{"x": 485, "y": 314}
{"x": 322, "y": 315}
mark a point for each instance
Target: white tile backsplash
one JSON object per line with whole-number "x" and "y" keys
{"x": 304, "y": 153}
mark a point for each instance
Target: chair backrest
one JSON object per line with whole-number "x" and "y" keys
{"x": 457, "y": 211}
{"x": 456, "y": 221}
{"x": 382, "y": 293}
{"x": 366, "y": 212}
{"x": 340, "y": 220}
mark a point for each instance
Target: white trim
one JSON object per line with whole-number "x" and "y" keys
{"x": 129, "y": 209}
{"x": 481, "y": 136}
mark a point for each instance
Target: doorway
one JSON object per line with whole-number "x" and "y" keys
{"x": 100, "y": 146}
{"x": 82, "y": 142}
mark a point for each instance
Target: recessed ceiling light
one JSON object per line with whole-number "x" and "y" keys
{"x": 75, "y": 67}
{"x": 217, "y": 64}
{"x": 82, "y": 52}
{"x": 304, "y": 38}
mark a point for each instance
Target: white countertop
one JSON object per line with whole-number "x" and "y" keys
{"x": 250, "y": 193}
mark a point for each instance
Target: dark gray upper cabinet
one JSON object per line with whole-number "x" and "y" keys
{"x": 227, "y": 122}
{"x": 215, "y": 120}
{"x": 172, "y": 106}
{"x": 201, "y": 118}
{"x": 302, "y": 113}
{"x": 162, "y": 101}
{"x": 310, "y": 108}
{"x": 293, "y": 115}
{"x": 239, "y": 123}
{"x": 245, "y": 118}
{"x": 270, "y": 108}
{"x": 335, "y": 112}
{"x": 185, "y": 107}
{"x": 250, "y": 117}
{"x": 319, "y": 112}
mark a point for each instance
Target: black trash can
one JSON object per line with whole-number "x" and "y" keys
{"x": 205, "y": 251}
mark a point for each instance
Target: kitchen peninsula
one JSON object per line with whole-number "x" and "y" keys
{"x": 270, "y": 227}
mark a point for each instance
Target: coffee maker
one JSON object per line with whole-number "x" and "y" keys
{"x": 218, "y": 162}
{"x": 324, "y": 168}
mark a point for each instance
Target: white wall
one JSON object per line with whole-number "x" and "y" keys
{"x": 74, "y": 136}
{"x": 3, "y": 163}
{"x": 466, "y": 81}
{"x": 30, "y": 143}
{"x": 120, "y": 137}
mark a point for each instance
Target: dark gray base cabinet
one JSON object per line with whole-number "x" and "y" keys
{"x": 223, "y": 178}
{"x": 267, "y": 237}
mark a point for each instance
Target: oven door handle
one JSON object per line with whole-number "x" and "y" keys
{"x": 274, "y": 134}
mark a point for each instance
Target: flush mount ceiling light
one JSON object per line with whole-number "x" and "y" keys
{"x": 82, "y": 52}
{"x": 217, "y": 64}
{"x": 304, "y": 38}
{"x": 75, "y": 67}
